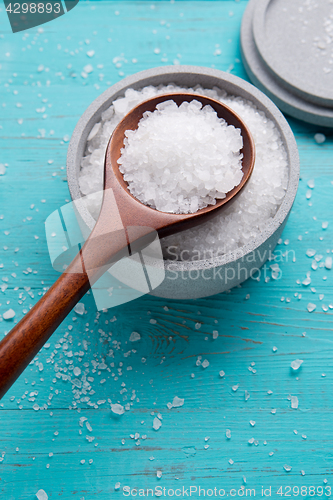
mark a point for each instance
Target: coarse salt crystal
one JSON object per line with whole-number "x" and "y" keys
{"x": 205, "y": 363}
{"x": 88, "y": 69}
{"x": 295, "y": 365}
{"x": 311, "y": 307}
{"x": 319, "y": 138}
{"x": 328, "y": 262}
{"x": 117, "y": 408}
{"x": 294, "y": 402}
{"x": 41, "y": 495}
{"x": 8, "y": 314}
{"x": 135, "y": 336}
{"x": 177, "y": 402}
{"x": 79, "y": 308}
{"x": 157, "y": 424}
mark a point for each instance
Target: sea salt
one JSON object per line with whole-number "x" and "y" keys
{"x": 328, "y": 262}
{"x": 135, "y": 336}
{"x": 205, "y": 363}
{"x": 79, "y": 308}
{"x": 177, "y": 402}
{"x": 8, "y": 314}
{"x": 156, "y": 424}
{"x": 41, "y": 495}
{"x": 319, "y": 138}
{"x": 181, "y": 159}
{"x": 253, "y": 209}
{"x": 117, "y": 409}
{"x": 295, "y": 365}
{"x": 294, "y": 402}
{"x": 311, "y": 307}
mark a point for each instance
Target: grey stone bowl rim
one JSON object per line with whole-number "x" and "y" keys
{"x": 92, "y": 114}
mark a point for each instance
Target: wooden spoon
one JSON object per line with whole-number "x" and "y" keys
{"x": 109, "y": 241}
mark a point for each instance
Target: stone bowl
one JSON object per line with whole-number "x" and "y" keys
{"x": 195, "y": 279}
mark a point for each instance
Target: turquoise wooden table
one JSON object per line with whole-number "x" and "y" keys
{"x": 62, "y": 437}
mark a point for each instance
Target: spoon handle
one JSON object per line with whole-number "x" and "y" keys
{"x": 24, "y": 341}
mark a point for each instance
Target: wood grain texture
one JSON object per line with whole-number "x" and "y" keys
{"x": 250, "y": 320}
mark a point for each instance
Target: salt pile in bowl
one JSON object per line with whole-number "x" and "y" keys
{"x": 237, "y": 224}
{"x": 181, "y": 159}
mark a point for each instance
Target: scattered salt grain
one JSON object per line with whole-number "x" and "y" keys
{"x": 159, "y": 474}
{"x": 294, "y": 402}
{"x": 8, "y": 314}
{"x": 252, "y": 422}
{"x": 117, "y": 408}
{"x": 156, "y": 424}
{"x": 319, "y": 138}
{"x": 228, "y": 434}
{"x": 328, "y": 262}
{"x": 287, "y": 468}
{"x": 295, "y": 365}
{"x": 79, "y": 308}
{"x": 307, "y": 281}
{"x": 205, "y": 363}
{"x": 215, "y": 334}
{"x": 134, "y": 337}
{"x": 247, "y": 395}
{"x": 77, "y": 371}
{"x": 310, "y": 252}
{"x": 221, "y": 373}
{"x": 88, "y": 69}
{"x": 235, "y": 387}
{"x": 41, "y": 495}
{"x": 177, "y": 402}
{"x": 311, "y": 307}
{"x": 2, "y": 169}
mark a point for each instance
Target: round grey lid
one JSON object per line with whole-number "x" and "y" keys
{"x": 295, "y": 40}
{"x": 287, "y": 101}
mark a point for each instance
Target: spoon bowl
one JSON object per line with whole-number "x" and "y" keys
{"x": 124, "y": 226}
{"x": 131, "y": 209}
